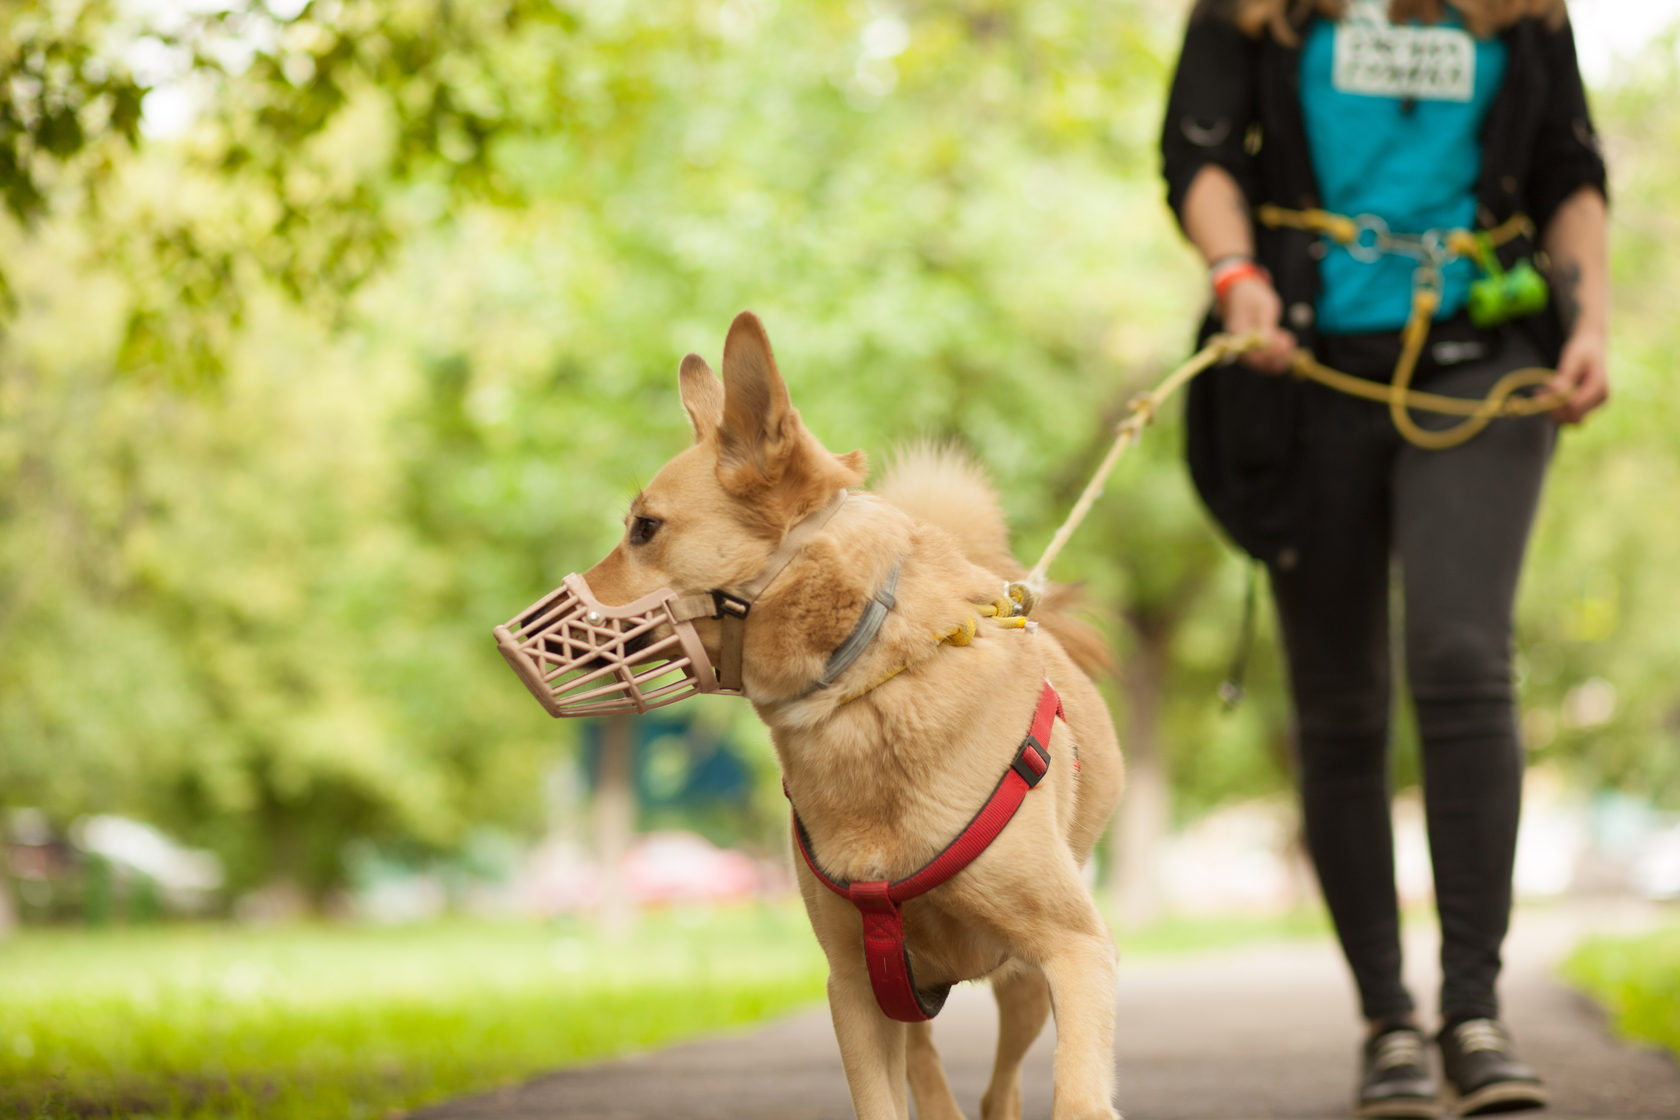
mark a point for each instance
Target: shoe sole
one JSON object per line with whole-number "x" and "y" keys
{"x": 1400, "y": 1108}
{"x": 1502, "y": 1096}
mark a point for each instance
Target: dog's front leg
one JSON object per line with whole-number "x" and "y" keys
{"x": 871, "y": 1045}
{"x": 1083, "y": 984}
{"x": 928, "y": 1086}
{"x": 1023, "y": 1000}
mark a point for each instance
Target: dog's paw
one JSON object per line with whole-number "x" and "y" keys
{"x": 1094, "y": 1112}
{"x": 1001, "y": 1106}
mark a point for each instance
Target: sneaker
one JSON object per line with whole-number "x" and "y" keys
{"x": 1394, "y": 1077}
{"x": 1483, "y": 1071}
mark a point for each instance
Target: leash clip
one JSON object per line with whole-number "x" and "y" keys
{"x": 1022, "y": 595}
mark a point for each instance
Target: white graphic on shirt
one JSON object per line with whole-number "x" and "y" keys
{"x": 1376, "y": 58}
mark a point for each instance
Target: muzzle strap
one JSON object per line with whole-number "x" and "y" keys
{"x": 733, "y": 608}
{"x": 797, "y": 537}
{"x": 733, "y": 650}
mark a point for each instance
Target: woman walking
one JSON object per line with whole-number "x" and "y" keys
{"x": 1329, "y": 159}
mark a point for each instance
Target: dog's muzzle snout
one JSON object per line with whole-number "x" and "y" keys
{"x": 582, "y": 657}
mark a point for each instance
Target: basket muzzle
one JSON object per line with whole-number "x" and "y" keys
{"x": 582, "y": 657}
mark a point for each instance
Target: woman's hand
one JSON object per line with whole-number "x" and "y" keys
{"x": 1583, "y": 377}
{"x": 1252, "y": 306}
{"x": 1576, "y": 243}
{"x": 1217, "y": 219}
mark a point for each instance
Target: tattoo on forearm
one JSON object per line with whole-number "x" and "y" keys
{"x": 1566, "y": 291}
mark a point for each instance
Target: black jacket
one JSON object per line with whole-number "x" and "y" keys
{"x": 1235, "y": 102}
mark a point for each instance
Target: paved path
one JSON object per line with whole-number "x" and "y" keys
{"x": 1257, "y": 1034}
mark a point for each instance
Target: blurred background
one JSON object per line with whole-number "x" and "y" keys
{"x": 337, "y": 331}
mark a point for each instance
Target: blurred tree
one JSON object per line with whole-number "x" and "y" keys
{"x": 306, "y": 140}
{"x": 341, "y": 330}
{"x": 1600, "y": 651}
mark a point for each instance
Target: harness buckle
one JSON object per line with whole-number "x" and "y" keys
{"x": 1032, "y": 761}
{"x": 726, "y": 605}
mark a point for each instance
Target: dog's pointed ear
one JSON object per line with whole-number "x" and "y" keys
{"x": 759, "y": 426}
{"x": 702, "y": 396}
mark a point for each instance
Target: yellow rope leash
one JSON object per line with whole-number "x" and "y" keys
{"x": 1141, "y": 410}
{"x": 1021, "y": 596}
{"x": 1401, "y": 398}
{"x": 1369, "y": 237}
{"x": 1352, "y": 231}
{"x": 959, "y": 635}
{"x": 872, "y": 685}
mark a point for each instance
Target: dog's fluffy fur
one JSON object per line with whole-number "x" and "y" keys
{"x": 943, "y": 486}
{"x": 884, "y": 782}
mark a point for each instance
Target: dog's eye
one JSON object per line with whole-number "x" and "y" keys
{"x": 642, "y": 529}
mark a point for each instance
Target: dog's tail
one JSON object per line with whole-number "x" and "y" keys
{"x": 941, "y": 484}
{"x": 1061, "y": 611}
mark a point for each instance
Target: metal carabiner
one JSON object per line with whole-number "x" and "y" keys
{"x": 1435, "y": 248}
{"x": 1380, "y": 238}
{"x": 1427, "y": 278}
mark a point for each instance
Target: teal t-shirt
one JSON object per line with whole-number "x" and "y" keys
{"x": 1394, "y": 117}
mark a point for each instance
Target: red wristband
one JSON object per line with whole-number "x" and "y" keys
{"x": 1228, "y": 274}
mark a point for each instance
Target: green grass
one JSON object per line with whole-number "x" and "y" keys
{"x": 191, "y": 1023}
{"x": 1637, "y": 979}
{"x": 320, "y": 1021}
{"x": 1197, "y": 934}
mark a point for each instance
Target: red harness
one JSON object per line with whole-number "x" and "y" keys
{"x": 879, "y": 902}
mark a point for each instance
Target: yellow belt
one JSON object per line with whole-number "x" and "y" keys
{"x": 1369, "y": 237}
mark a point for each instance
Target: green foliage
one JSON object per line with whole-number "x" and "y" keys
{"x": 299, "y": 399}
{"x": 1637, "y": 979}
{"x": 194, "y": 1023}
{"x": 303, "y": 131}
{"x": 63, "y": 105}
{"x": 1600, "y": 651}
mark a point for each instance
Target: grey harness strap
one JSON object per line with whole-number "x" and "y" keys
{"x": 868, "y": 625}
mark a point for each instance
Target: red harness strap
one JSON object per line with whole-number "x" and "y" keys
{"x": 880, "y": 902}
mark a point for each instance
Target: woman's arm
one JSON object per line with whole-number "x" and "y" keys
{"x": 1216, "y": 215}
{"x": 1576, "y": 242}
{"x": 1216, "y": 219}
{"x": 1210, "y": 105}
{"x": 1205, "y": 159}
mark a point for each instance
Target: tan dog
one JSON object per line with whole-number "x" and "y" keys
{"x": 885, "y": 776}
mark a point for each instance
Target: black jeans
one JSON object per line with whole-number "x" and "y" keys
{"x": 1452, "y": 525}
